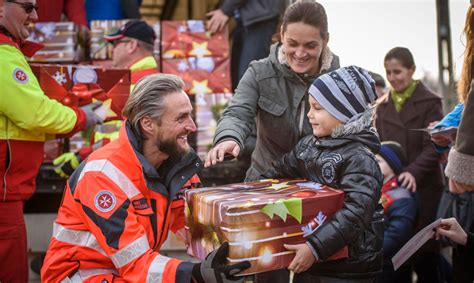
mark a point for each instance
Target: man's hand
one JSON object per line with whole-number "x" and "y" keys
{"x": 214, "y": 270}
{"x": 450, "y": 228}
{"x": 217, "y": 21}
{"x": 303, "y": 260}
{"x": 217, "y": 153}
{"x": 407, "y": 180}
{"x": 66, "y": 163}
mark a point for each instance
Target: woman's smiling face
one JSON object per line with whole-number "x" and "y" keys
{"x": 302, "y": 46}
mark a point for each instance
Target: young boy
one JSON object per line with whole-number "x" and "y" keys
{"x": 400, "y": 210}
{"x": 340, "y": 154}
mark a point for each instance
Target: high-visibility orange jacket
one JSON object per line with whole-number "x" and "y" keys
{"x": 116, "y": 213}
{"x": 27, "y": 118}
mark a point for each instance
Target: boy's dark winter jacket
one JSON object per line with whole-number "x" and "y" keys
{"x": 348, "y": 163}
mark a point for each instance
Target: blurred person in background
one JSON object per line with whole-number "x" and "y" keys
{"x": 256, "y": 23}
{"x": 112, "y": 9}
{"x": 380, "y": 85}
{"x": 400, "y": 211}
{"x": 411, "y": 105}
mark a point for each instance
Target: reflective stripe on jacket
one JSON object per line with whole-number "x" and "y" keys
{"x": 142, "y": 68}
{"x": 116, "y": 213}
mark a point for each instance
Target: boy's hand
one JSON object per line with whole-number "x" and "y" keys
{"x": 303, "y": 260}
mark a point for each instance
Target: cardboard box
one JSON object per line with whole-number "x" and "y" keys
{"x": 79, "y": 85}
{"x": 257, "y": 218}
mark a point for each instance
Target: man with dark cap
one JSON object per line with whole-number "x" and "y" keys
{"x": 400, "y": 209}
{"x": 133, "y": 48}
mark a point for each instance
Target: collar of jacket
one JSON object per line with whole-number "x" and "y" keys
{"x": 390, "y": 184}
{"x": 168, "y": 170}
{"x": 388, "y": 113}
{"x": 417, "y": 96}
{"x": 367, "y": 137}
{"x": 326, "y": 59}
{"x": 143, "y": 67}
{"x": 28, "y": 48}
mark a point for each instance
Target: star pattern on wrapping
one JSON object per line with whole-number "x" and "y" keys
{"x": 200, "y": 87}
{"x": 199, "y": 49}
{"x": 182, "y": 66}
{"x": 105, "y": 110}
{"x": 60, "y": 78}
{"x": 182, "y": 28}
{"x": 48, "y": 29}
{"x": 279, "y": 186}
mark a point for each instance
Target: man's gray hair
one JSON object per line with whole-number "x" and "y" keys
{"x": 147, "y": 97}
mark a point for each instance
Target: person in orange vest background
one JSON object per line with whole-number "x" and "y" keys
{"x": 121, "y": 202}
{"x": 27, "y": 118}
{"x": 133, "y": 49}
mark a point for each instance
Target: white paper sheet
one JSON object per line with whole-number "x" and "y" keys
{"x": 414, "y": 244}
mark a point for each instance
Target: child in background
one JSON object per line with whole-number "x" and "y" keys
{"x": 340, "y": 154}
{"x": 400, "y": 210}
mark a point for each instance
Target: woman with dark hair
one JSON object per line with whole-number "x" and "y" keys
{"x": 407, "y": 106}
{"x": 273, "y": 91}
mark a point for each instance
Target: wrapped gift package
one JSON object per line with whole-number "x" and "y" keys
{"x": 99, "y": 49}
{"x": 191, "y": 39}
{"x": 257, "y": 219}
{"x": 79, "y": 85}
{"x": 199, "y": 58}
{"x": 59, "y": 39}
{"x": 204, "y": 75}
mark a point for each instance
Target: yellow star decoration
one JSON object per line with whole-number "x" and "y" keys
{"x": 200, "y": 88}
{"x": 200, "y": 50}
{"x": 279, "y": 186}
{"x": 105, "y": 110}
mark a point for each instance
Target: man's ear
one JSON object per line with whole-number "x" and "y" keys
{"x": 132, "y": 46}
{"x": 147, "y": 125}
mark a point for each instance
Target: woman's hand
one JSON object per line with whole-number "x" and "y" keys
{"x": 441, "y": 140}
{"x": 450, "y": 228}
{"x": 303, "y": 260}
{"x": 407, "y": 180}
{"x": 459, "y": 188}
{"x": 217, "y": 153}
